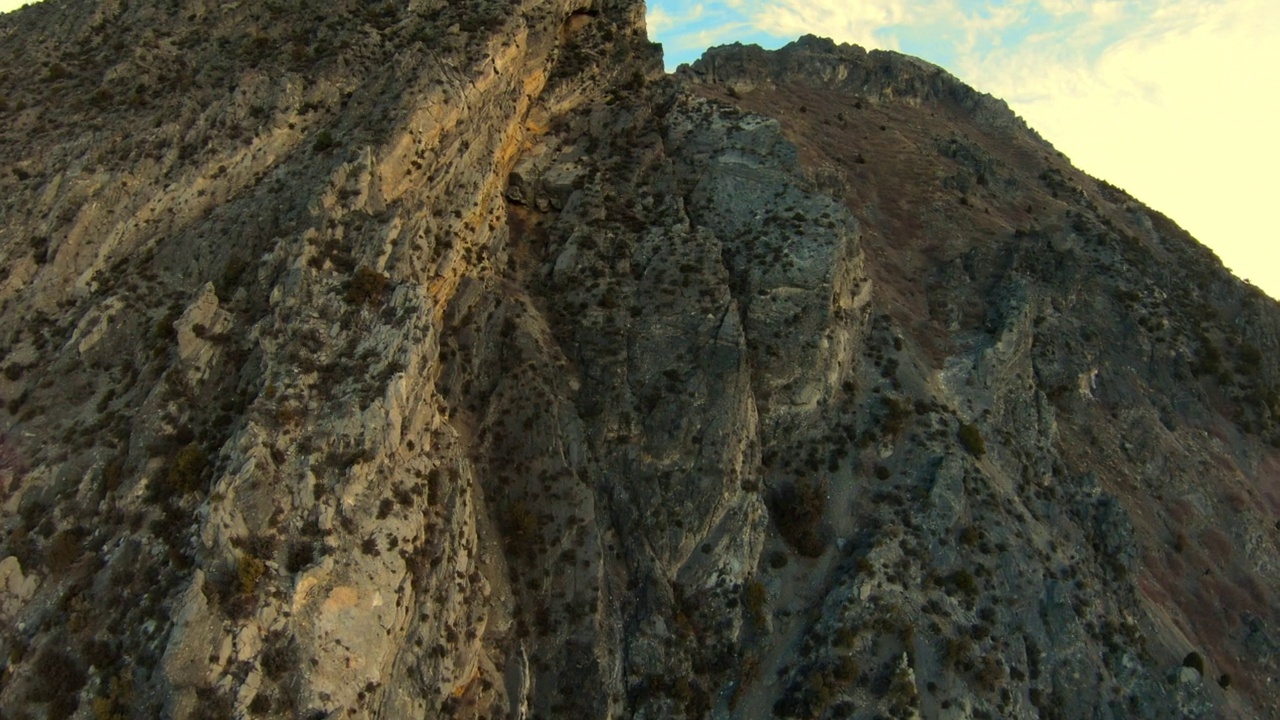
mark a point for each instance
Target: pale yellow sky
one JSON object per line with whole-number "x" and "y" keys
{"x": 1180, "y": 114}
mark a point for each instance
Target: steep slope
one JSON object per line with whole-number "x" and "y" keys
{"x": 454, "y": 362}
{"x": 1123, "y": 383}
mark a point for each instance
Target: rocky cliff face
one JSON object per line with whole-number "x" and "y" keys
{"x": 450, "y": 360}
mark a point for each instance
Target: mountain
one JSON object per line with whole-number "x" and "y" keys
{"x": 450, "y": 359}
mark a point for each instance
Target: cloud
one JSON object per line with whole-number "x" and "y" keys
{"x": 687, "y": 30}
{"x": 661, "y": 20}
{"x": 1170, "y": 105}
{"x": 864, "y": 23}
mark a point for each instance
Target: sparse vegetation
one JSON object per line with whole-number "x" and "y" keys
{"x": 57, "y": 678}
{"x": 367, "y": 286}
{"x": 755, "y": 599}
{"x": 186, "y": 470}
{"x": 324, "y": 141}
{"x": 798, "y": 508}
{"x": 971, "y": 440}
{"x": 249, "y": 570}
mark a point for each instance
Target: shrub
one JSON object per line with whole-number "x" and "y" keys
{"x": 971, "y": 439}
{"x": 897, "y": 414}
{"x": 367, "y": 286}
{"x": 249, "y": 570}
{"x": 64, "y": 550}
{"x": 957, "y": 651}
{"x": 797, "y": 509}
{"x": 990, "y": 674}
{"x": 117, "y": 701}
{"x": 1250, "y": 357}
{"x": 187, "y": 468}
{"x": 522, "y": 529}
{"x": 1209, "y": 359}
{"x": 279, "y": 657}
{"x": 57, "y": 681}
{"x": 755, "y": 597}
{"x": 1194, "y": 661}
{"x": 261, "y": 704}
{"x": 300, "y": 555}
{"x": 846, "y": 669}
{"x": 962, "y": 581}
{"x": 324, "y": 141}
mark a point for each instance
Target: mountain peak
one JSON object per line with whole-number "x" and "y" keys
{"x": 821, "y": 62}
{"x": 450, "y": 360}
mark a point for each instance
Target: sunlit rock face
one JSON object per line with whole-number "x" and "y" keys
{"x": 388, "y": 360}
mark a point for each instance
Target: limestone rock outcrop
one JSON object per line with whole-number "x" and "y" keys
{"x": 427, "y": 359}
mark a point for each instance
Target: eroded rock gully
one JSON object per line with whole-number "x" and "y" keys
{"x": 455, "y": 361}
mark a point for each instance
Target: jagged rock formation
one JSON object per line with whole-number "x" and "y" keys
{"x": 450, "y": 360}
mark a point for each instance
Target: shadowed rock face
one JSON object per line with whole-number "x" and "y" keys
{"x": 450, "y": 360}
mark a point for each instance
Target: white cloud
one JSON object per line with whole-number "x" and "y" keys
{"x": 708, "y": 37}
{"x": 1177, "y": 111}
{"x": 1060, "y": 8}
{"x": 660, "y": 21}
{"x": 859, "y": 22}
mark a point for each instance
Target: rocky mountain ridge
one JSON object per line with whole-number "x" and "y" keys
{"x": 442, "y": 359}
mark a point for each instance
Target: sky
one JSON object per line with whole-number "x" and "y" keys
{"x": 1172, "y": 100}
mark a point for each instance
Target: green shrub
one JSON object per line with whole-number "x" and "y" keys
{"x": 755, "y": 598}
{"x": 957, "y": 652}
{"x": 249, "y": 570}
{"x": 58, "y": 678}
{"x": 846, "y": 669}
{"x": 117, "y": 701}
{"x": 367, "y": 286}
{"x": 798, "y": 509}
{"x": 261, "y": 704}
{"x": 897, "y": 414}
{"x": 64, "y": 550}
{"x": 187, "y": 468}
{"x": 324, "y": 141}
{"x": 971, "y": 439}
{"x": 279, "y": 656}
{"x": 1194, "y": 661}
{"x": 522, "y": 529}
{"x": 1250, "y": 358}
{"x": 990, "y": 674}
{"x": 962, "y": 581}
{"x": 1209, "y": 359}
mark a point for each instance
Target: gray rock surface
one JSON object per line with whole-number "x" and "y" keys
{"x": 451, "y": 360}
